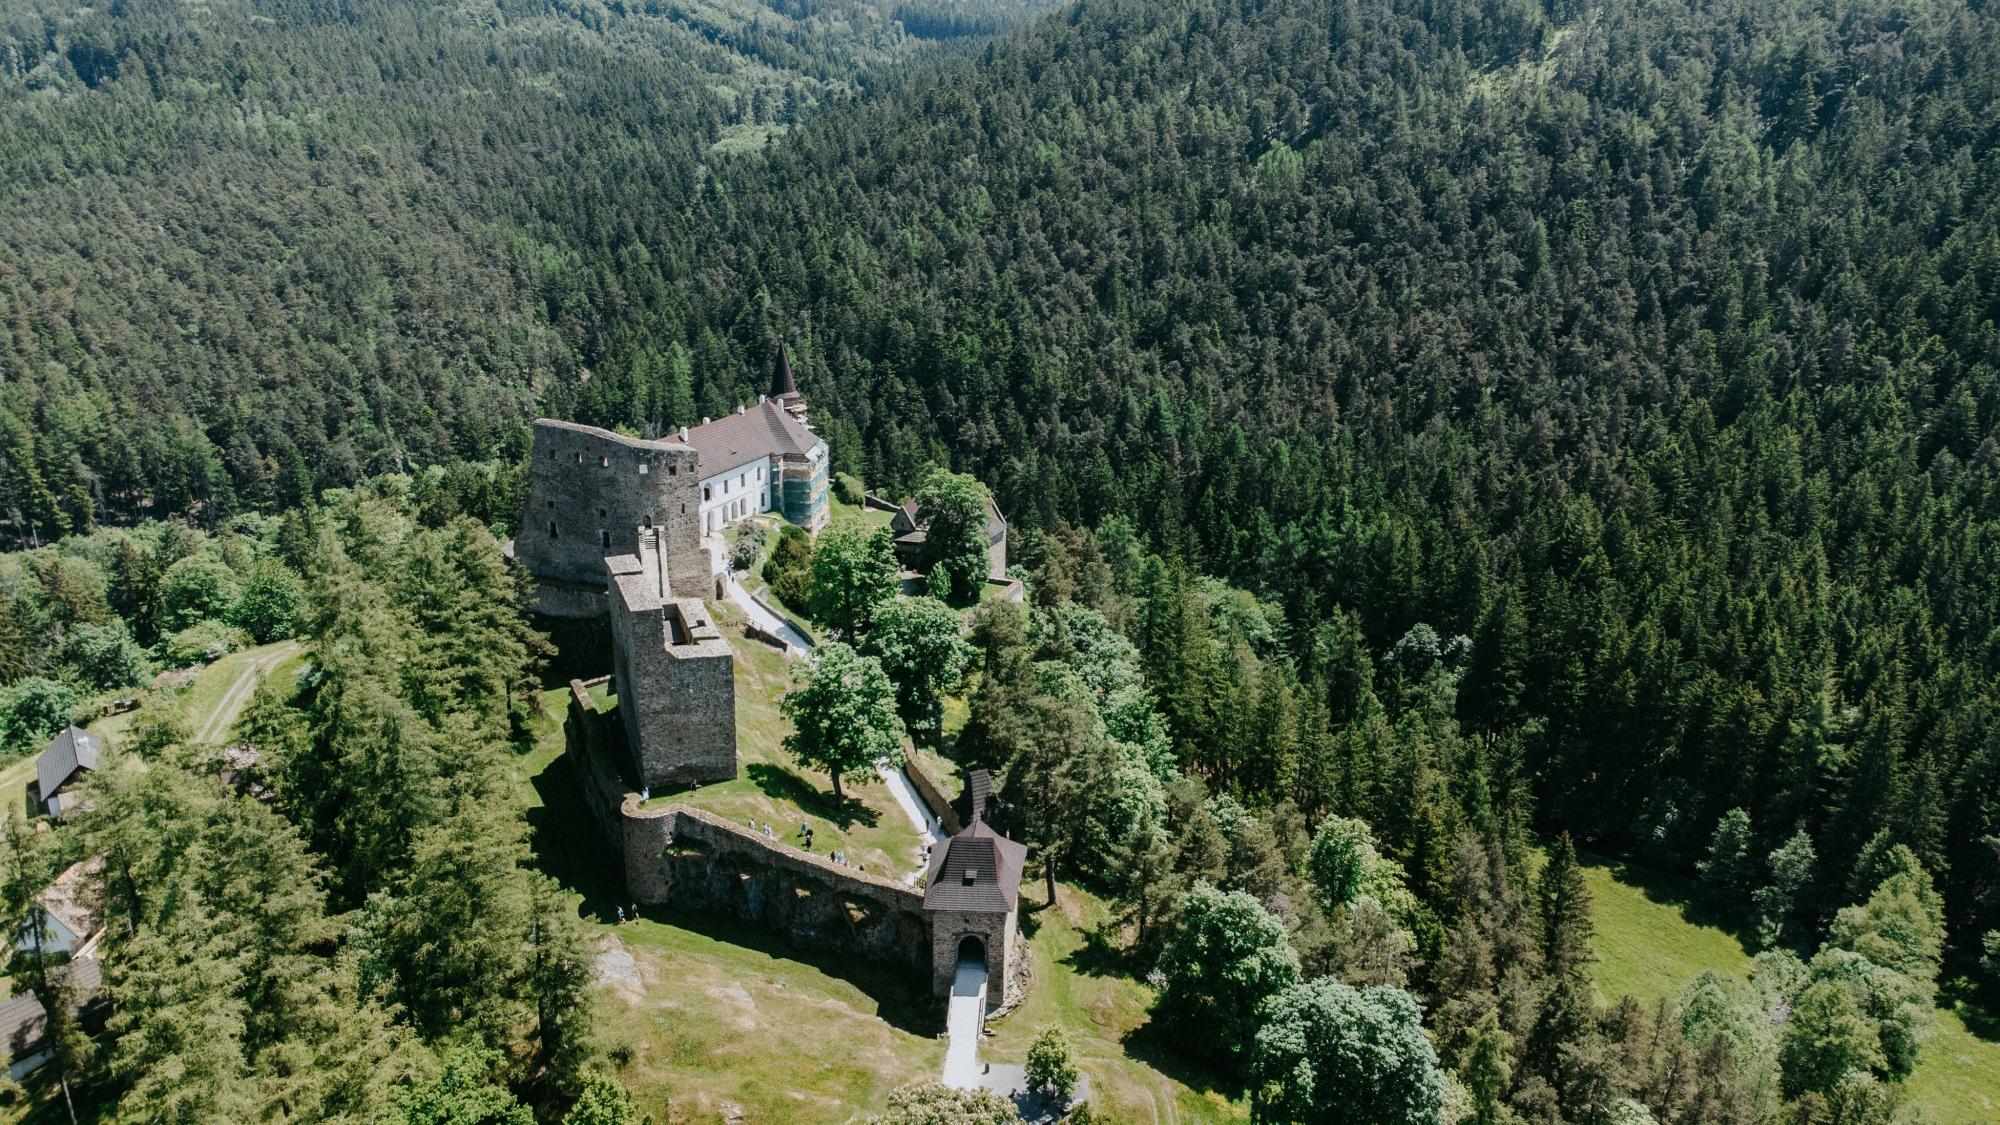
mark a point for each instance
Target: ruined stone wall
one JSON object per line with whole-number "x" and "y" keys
{"x": 675, "y": 676}
{"x": 589, "y": 736}
{"x": 932, "y": 793}
{"x": 688, "y": 859}
{"x": 590, "y": 491}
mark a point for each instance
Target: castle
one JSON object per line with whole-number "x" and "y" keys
{"x": 614, "y": 527}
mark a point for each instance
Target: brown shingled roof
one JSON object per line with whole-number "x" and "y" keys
{"x": 76, "y": 898}
{"x": 738, "y": 439}
{"x": 977, "y": 870}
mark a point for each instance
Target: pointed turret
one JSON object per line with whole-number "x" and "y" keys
{"x": 784, "y": 388}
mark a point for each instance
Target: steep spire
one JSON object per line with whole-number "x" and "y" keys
{"x": 785, "y": 387}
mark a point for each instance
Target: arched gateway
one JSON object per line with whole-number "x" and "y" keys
{"x": 970, "y": 895}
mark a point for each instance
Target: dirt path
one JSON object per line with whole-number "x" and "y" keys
{"x": 216, "y": 727}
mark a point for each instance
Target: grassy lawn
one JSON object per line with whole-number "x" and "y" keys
{"x": 221, "y": 690}
{"x": 707, "y": 1015}
{"x": 1654, "y": 935}
{"x": 1957, "y": 1081}
{"x": 1136, "y": 1072}
{"x": 873, "y": 517}
{"x": 704, "y": 1014}
{"x": 771, "y": 788}
{"x": 1652, "y": 940}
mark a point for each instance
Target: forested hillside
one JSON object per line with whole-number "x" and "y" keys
{"x": 252, "y": 249}
{"x": 1589, "y": 406}
{"x": 1650, "y": 346}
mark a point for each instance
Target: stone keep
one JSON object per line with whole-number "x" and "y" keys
{"x": 673, "y": 672}
{"x": 593, "y": 493}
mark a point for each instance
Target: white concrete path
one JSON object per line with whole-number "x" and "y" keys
{"x": 795, "y": 641}
{"x": 961, "y": 1022}
{"x": 929, "y": 831}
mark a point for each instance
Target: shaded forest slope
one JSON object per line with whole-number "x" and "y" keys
{"x": 1652, "y": 346}
{"x": 250, "y": 249}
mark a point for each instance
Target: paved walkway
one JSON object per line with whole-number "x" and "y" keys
{"x": 961, "y": 1022}
{"x": 929, "y": 831}
{"x": 795, "y": 641}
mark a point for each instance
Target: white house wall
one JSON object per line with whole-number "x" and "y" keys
{"x": 735, "y": 494}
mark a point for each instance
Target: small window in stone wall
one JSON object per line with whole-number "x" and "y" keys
{"x": 552, "y": 529}
{"x": 645, "y": 468}
{"x": 603, "y": 538}
{"x": 603, "y": 461}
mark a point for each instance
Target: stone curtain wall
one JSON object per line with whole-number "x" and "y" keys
{"x": 927, "y": 787}
{"x": 591, "y": 485}
{"x": 706, "y": 863}
{"x": 688, "y": 859}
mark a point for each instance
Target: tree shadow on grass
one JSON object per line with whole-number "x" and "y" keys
{"x": 1697, "y": 905}
{"x": 1099, "y": 955}
{"x": 567, "y": 846}
{"x": 781, "y": 784}
{"x": 1961, "y": 993}
{"x": 1163, "y": 1049}
{"x": 902, "y": 996}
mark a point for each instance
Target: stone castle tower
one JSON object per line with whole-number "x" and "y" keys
{"x": 592, "y": 493}
{"x": 614, "y": 524}
{"x": 673, "y": 672}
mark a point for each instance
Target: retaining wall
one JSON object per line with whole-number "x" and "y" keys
{"x": 927, "y": 787}
{"x": 690, "y": 859}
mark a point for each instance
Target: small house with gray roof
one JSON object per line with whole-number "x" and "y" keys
{"x": 910, "y": 527}
{"x": 972, "y": 894}
{"x": 72, "y": 754}
{"x": 24, "y": 1023}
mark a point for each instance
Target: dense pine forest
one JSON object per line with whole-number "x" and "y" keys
{"x": 252, "y": 250}
{"x": 1458, "y": 432}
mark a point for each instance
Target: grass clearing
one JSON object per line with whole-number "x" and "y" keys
{"x": 1136, "y": 1072}
{"x": 872, "y": 517}
{"x": 1655, "y": 932}
{"x": 1957, "y": 1080}
{"x": 710, "y": 1014}
{"x": 1649, "y": 944}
